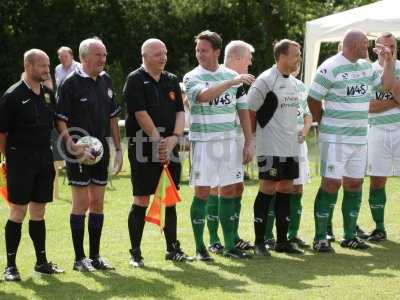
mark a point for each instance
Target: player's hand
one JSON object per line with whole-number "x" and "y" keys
{"x": 165, "y": 148}
{"x": 81, "y": 152}
{"x": 118, "y": 161}
{"x": 383, "y": 51}
{"x": 248, "y": 153}
{"x": 244, "y": 78}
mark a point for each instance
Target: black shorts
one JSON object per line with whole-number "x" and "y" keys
{"x": 30, "y": 174}
{"x": 83, "y": 175}
{"x": 277, "y": 168}
{"x": 145, "y": 175}
{"x": 55, "y": 146}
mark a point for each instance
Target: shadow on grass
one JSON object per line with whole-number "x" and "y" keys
{"x": 113, "y": 285}
{"x": 5, "y": 295}
{"x": 189, "y": 275}
{"x": 295, "y": 271}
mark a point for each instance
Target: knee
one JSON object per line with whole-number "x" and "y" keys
{"x": 202, "y": 192}
{"x": 17, "y": 213}
{"x": 239, "y": 189}
{"x": 228, "y": 191}
{"x": 378, "y": 182}
{"x": 37, "y": 211}
{"x": 352, "y": 185}
{"x": 331, "y": 185}
{"x": 96, "y": 206}
{"x": 142, "y": 201}
{"x": 80, "y": 207}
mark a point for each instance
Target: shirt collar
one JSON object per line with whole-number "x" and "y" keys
{"x": 79, "y": 70}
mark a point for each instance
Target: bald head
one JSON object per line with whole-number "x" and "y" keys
{"x": 32, "y": 55}
{"x": 154, "y": 55}
{"x": 36, "y": 66}
{"x": 150, "y": 44}
{"x": 352, "y": 37}
{"x": 355, "y": 45}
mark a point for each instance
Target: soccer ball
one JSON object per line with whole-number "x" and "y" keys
{"x": 95, "y": 148}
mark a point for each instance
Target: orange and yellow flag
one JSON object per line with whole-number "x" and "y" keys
{"x": 166, "y": 195}
{"x": 3, "y": 183}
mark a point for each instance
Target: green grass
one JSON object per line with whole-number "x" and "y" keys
{"x": 345, "y": 275}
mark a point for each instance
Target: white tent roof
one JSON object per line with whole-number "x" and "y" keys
{"x": 373, "y": 18}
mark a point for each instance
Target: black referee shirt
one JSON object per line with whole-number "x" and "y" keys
{"x": 160, "y": 99}
{"x": 26, "y": 117}
{"x": 87, "y": 104}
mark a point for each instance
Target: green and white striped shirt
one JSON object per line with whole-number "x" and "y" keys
{"x": 303, "y": 109}
{"x": 347, "y": 89}
{"x": 214, "y": 120}
{"x": 389, "y": 119}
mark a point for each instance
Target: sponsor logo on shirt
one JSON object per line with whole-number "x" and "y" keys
{"x": 83, "y": 99}
{"x": 357, "y": 90}
{"x": 273, "y": 172}
{"x": 26, "y": 101}
{"x": 224, "y": 99}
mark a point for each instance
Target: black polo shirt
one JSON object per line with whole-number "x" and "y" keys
{"x": 26, "y": 117}
{"x": 160, "y": 99}
{"x": 87, "y": 104}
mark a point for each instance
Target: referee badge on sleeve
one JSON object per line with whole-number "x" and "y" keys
{"x": 47, "y": 98}
{"x": 172, "y": 95}
{"x": 110, "y": 93}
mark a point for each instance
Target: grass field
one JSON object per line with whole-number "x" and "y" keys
{"x": 348, "y": 274}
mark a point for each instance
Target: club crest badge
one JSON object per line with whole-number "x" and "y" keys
{"x": 110, "y": 93}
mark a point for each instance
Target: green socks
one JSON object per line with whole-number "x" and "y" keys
{"x": 212, "y": 218}
{"x": 377, "y": 201}
{"x": 197, "y": 215}
{"x": 269, "y": 224}
{"x": 350, "y": 209}
{"x": 294, "y": 215}
{"x": 227, "y": 219}
{"x": 322, "y": 206}
{"x": 238, "y": 206}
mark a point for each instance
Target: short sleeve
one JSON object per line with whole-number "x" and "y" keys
{"x": 193, "y": 86}
{"x": 376, "y": 81}
{"x": 178, "y": 96}
{"x": 257, "y": 93}
{"x": 63, "y": 108}
{"x": 115, "y": 109}
{"x": 6, "y": 114}
{"x": 134, "y": 96}
{"x": 241, "y": 99}
{"x": 322, "y": 83}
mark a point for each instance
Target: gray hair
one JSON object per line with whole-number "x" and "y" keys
{"x": 84, "y": 46}
{"x": 30, "y": 55}
{"x": 237, "y": 48}
{"x": 64, "y": 48}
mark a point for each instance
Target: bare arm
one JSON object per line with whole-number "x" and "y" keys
{"x": 315, "y": 107}
{"x": 377, "y": 106}
{"x": 147, "y": 124}
{"x": 213, "y": 92}
{"x": 307, "y": 124}
{"x": 253, "y": 123}
{"x": 245, "y": 122}
{"x": 115, "y": 133}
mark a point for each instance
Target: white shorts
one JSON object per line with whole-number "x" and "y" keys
{"x": 383, "y": 152}
{"x": 304, "y": 169}
{"x": 339, "y": 160}
{"x": 217, "y": 163}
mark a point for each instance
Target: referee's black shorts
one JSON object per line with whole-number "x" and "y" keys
{"x": 145, "y": 175}
{"x": 277, "y": 168}
{"x": 80, "y": 175}
{"x": 30, "y": 174}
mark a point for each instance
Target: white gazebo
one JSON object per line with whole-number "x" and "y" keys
{"x": 373, "y": 18}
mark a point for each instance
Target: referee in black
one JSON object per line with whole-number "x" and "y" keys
{"x": 86, "y": 106}
{"x": 154, "y": 125}
{"x": 26, "y": 121}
